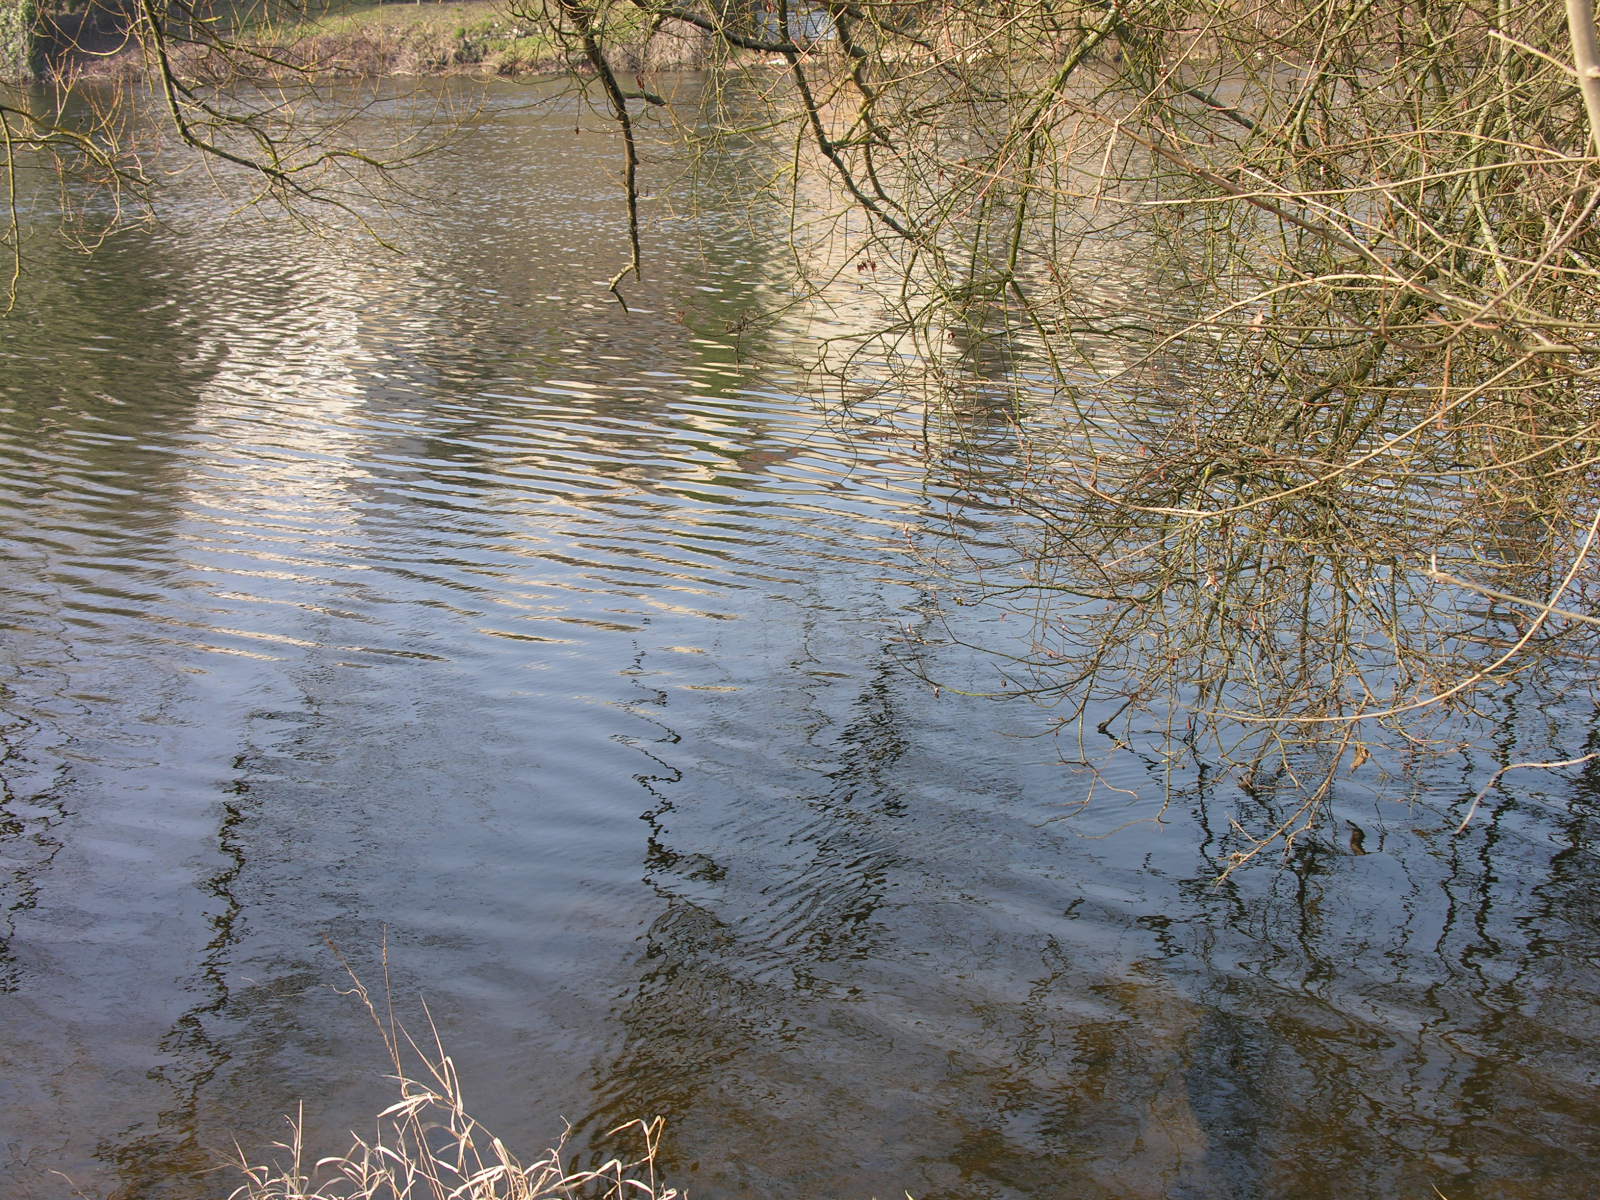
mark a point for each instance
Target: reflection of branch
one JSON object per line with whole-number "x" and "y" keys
{"x": 1298, "y": 822}
{"x": 1495, "y": 778}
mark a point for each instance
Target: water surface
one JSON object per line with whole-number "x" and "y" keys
{"x": 580, "y": 657}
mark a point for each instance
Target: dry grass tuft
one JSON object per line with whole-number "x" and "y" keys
{"x": 427, "y": 1147}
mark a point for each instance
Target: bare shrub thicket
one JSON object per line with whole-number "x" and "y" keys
{"x": 1291, "y": 309}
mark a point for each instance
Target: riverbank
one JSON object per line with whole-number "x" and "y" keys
{"x": 463, "y": 35}
{"x": 399, "y": 39}
{"x": 416, "y": 39}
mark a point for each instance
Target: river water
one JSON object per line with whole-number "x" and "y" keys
{"x": 580, "y": 659}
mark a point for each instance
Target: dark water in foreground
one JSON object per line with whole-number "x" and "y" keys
{"x": 344, "y": 595}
